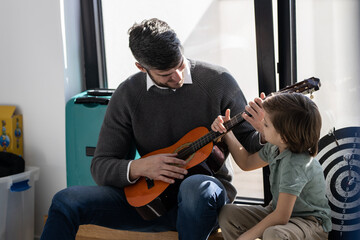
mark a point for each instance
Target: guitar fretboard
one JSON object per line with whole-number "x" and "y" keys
{"x": 209, "y": 137}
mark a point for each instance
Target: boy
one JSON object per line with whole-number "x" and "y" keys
{"x": 299, "y": 208}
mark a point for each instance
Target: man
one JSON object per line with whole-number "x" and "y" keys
{"x": 151, "y": 110}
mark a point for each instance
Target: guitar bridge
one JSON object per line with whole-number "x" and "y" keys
{"x": 150, "y": 182}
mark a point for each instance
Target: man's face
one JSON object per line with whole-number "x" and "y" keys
{"x": 171, "y": 78}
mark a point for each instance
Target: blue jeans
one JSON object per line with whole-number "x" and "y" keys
{"x": 200, "y": 199}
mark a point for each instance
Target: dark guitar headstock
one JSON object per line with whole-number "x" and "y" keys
{"x": 306, "y": 86}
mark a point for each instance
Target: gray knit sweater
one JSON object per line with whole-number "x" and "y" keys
{"x": 158, "y": 118}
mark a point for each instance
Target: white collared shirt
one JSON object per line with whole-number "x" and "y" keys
{"x": 186, "y": 75}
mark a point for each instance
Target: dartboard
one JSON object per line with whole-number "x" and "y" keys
{"x": 339, "y": 155}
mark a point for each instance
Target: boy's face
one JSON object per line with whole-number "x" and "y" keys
{"x": 270, "y": 133}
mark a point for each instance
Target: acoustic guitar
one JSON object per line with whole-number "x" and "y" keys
{"x": 152, "y": 198}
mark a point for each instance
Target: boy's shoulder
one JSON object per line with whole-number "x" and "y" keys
{"x": 303, "y": 162}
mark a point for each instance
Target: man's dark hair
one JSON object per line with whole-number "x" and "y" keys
{"x": 155, "y": 45}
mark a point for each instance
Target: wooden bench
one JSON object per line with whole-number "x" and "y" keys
{"x": 94, "y": 232}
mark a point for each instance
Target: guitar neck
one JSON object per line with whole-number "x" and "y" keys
{"x": 196, "y": 145}
{"x": 235, "y": 120}
{"x": 209, "y": 137}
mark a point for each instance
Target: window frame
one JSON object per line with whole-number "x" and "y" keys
{"x": 94, "y": 46}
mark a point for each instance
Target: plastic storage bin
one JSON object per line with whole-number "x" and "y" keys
{"x": 17, "y": 205}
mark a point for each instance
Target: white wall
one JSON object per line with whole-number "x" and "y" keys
{"x": 33, "y": 77}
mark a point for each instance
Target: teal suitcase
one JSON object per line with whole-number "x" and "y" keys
{"x": 84, "y": 116}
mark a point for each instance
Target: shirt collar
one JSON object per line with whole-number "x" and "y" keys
{"x": 186, "y": 72}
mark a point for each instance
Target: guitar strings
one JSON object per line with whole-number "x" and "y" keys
{"x": 204, "y": 140}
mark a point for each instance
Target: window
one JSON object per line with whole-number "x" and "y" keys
{"x": 221, "y": 32}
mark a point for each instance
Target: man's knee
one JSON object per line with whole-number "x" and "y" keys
{"x": 201, "y": 193}
{"x": 206, "y": 187}
{"x": 64, "y": 201}
{"x": 61, "y": 197}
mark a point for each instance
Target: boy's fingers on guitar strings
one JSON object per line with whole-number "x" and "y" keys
{"x": 262, "y": 95}
{"x": 258, "y": 108}
{"x": 254, "y": 118}
{"x": 259, "y": 102}
{"x": 254, "y": 107}
{"x": 217, "y": 125}
{"x": 227, "y": 115}
{"x": 249, "y": 111}
{"x": 248, "y": 117}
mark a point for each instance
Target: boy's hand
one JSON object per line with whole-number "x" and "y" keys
{"x": 255, "y": 113}
{"x": 218, "y": 124}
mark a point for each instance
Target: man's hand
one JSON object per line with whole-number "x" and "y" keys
{"x": 164, "y": 167}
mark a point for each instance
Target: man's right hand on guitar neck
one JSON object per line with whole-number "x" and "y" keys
{"x": 164, "y": 167}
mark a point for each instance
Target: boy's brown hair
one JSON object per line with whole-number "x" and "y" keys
{"x": 297, "y": 119}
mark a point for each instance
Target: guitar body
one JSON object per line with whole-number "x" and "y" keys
{"x": 152, "y": 198}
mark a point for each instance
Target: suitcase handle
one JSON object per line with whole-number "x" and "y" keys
{"x": 100, "y": 92}
{"x": 82, "y": 100}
